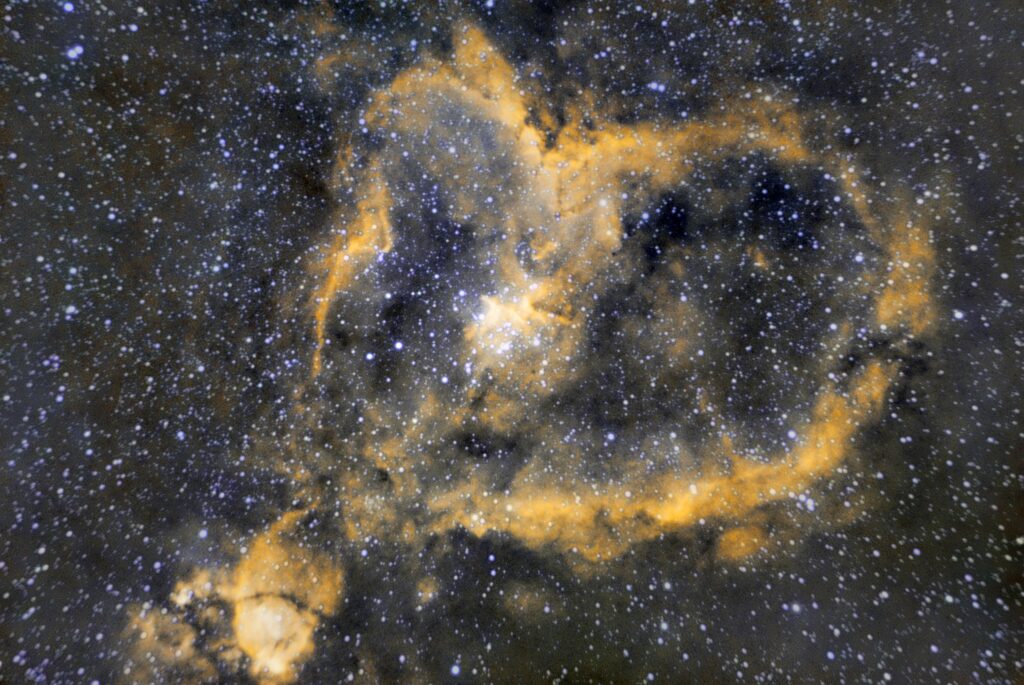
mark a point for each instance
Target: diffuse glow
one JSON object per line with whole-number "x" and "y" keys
{"x": 265, "y": 611}
{"x": 563, "y": 193}
{"x": 527, "y": 338}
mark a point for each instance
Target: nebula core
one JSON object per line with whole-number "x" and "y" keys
{"x": 511, "y": 342}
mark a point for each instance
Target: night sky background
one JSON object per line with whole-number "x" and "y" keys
{"x": 278, "y": 404}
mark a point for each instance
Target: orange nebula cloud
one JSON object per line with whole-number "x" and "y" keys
{"x": 566, "y": 201}
{"x": 562, "y": 192}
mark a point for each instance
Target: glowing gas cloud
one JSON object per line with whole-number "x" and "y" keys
{"x": 564, "y": 198}
{"x": 546, "y": 210}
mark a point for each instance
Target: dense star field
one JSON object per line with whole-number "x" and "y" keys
{"x": 511, "y": 342}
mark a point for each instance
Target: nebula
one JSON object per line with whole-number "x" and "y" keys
{"x": 514, "y": 343}
{"x": 545, "y": 213}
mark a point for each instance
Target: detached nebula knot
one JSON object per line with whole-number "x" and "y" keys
{"x": 512, "y": 342}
